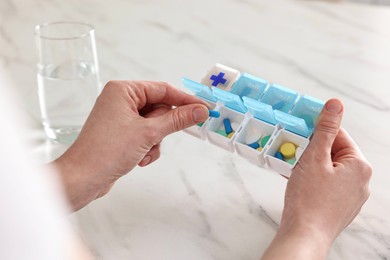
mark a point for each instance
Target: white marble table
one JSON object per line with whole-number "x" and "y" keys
{"x": 198, "y": 201}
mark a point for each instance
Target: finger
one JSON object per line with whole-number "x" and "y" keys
{"x": 180, "y": 118}
{"x": 327, "y": 128}
{"x": 157, "y": 111}
{"x": 150, "y": 156}
{"x": 344, "y": 147}
{"x": 161, "y": 92}
{"x": 343, "y": 141}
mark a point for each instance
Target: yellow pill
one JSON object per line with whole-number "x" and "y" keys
{"x": 287, "y": 150}
{"x": 230, "y": 135}
{"x": 260, "y": 149}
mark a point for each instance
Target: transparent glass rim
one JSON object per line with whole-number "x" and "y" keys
{"x": 39, "y": 27}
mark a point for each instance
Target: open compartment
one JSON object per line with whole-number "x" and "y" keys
{"x": 253, "y": 139}
{"x": 283, "y": 166}
{"x": 257, "y": 132}
{"x": 216, "y": 130}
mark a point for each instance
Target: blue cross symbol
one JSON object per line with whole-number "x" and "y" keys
{"x": 218, "y": 79}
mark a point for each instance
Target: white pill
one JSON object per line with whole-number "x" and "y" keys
{"x": 235, "y": 125}
{"x": 298, "y": 152}
{"x": 253, "y": 135}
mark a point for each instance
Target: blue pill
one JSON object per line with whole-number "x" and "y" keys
{"x": 279, "y": 155}
{"x": 228, "y": 126}
{"x": 214, "y": 113}
{"x": 254, "y": 145}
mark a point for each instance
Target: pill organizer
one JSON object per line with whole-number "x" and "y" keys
{"x": 263, "y": 117}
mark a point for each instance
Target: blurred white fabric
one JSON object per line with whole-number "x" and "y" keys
{"x": 33, "y": 222}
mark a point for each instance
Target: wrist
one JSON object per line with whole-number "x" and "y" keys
{"x": 298, "y": 241}
{"x": 82, "y": 180}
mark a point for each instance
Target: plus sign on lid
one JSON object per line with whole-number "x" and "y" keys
{"x": 221, "y": 77}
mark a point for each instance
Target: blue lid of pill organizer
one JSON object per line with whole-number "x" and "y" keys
{"x": 249, "y": 86}
{"x": 230, "y": 100}
{"x": 199, "y": 89}
{"x": 260, "y": 110}
{"x": 308, "y": 108}
{"x": 280, "y": 98}
{"x": 292, "y": 123}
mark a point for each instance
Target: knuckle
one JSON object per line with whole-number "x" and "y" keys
{"x": 165, "y": 84}
{"x": 152, "y": 133}
{"x": 328, "y": 126}
{"x": 178, "y": 120}
{"x": 111, "y": 84}
{"x": 366, "y": 169}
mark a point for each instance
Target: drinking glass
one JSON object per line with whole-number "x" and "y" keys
{"x": 68, "y": 77}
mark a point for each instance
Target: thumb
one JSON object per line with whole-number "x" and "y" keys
{"x": 181, "y": 117}
{"x": 327, "y": 128}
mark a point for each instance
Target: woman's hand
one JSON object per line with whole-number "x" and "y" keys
{"x": 124, "y": 129}
{"x": 326, "y": 191}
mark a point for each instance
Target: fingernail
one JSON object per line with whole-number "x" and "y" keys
{"x": 334, "y": 106}
{"x": 146, "y": 160}
{"x": 199, "y": 114}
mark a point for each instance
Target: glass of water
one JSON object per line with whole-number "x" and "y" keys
{"x": 68, "y": 77}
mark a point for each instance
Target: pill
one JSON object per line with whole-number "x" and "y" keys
{"x": 291, "y": 161}
{"x": 259, "y": 149}
{"x": 279, "y": 155}
{"x": 201, "y": 124}
{"x": 264, "y": 140}
{"x": 214, "y": 113}
{"x": 298, "y": 152}
{"x": 287, "y": 150}
{"x": 254, "y": 145}
{"x": 235, "y": 126}
{"x": 228, "y": 126}
{"x": 230, "y": 135}
{"x": 253, "y": 135}
{"x": 221, "y": 132}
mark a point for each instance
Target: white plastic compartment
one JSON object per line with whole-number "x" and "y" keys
{"x": 251, "y": 127}
{"x": 282, "y": 137}
{"x": 214, "y": 124}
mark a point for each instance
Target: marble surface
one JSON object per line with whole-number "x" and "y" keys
{"x": 198, "y": 201}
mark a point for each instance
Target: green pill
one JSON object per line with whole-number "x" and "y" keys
{"x": 291, "y": 161}
{"x": 264, "y": 140}
{"x": 221, "y": 132}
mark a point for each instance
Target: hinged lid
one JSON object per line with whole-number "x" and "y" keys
{"x": 249, "y": 86}
{"x": 292, "y": 123}
{"x": 200, "y": 90}
{"x": 260, "y": 110}
{"x": 280, "y": 98}
{"x": 230, "y": 100}
{"x": 308, "y": 108}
